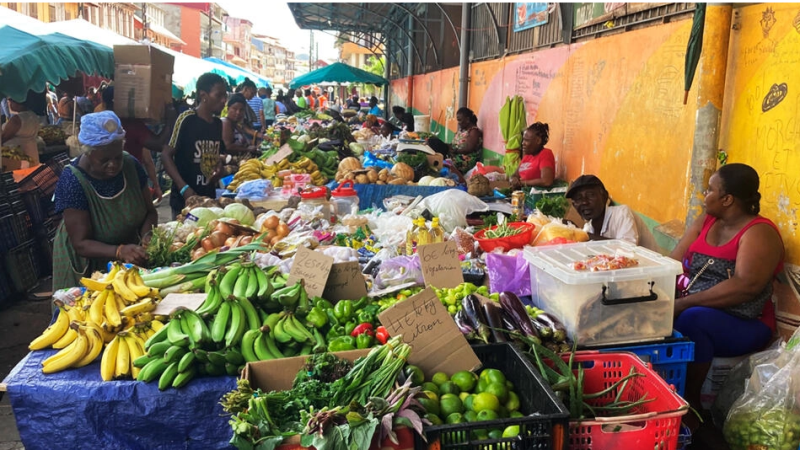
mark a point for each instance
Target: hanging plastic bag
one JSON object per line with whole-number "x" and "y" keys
{"x": 767, "y": 415}
{"x": 508, "y": 273}
{"x": 399, "y": 270}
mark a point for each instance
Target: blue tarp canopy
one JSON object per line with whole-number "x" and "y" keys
{"x": 239, "y": 74}
{"x": 77, "y": 409}
{"x": 338, "y": 73}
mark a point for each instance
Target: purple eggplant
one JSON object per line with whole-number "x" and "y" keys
{"x": 559, "y": 331}
{"x": 508, "y": 322}
{"x": 495, "y": 322}
{"x": 463, "y": 324}
{"x": 516, "y": 310}
{"x": 472, "y": 308}
{"x": 545, "y": 333}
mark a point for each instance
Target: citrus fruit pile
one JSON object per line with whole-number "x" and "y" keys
{"x": 468, "y": 397}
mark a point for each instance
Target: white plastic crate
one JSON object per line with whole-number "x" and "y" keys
{"x": 606, "y": 307}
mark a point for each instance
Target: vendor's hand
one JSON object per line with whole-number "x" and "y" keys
{"x": 188, "y": 193}
{"x": 133, "y": 254}
{"x": 158, "y": 194}
{"x": 516, "y": 182}
{"x": 681, "y": 305}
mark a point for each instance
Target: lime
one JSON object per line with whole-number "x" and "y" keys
{"x": 431, "y": 395}
{"x": 430, "y": 405}
{"x": 511, "y": 431}
{"x": 428, "y": 386}
{"x": 516, "y": 415}
{"x": 480, "y": 435}
{"x": 415, "y": 374}
{"x": 448, "y": 387}
{"x": 434, "y": 419}
{"x": 439, "y": 378}
{"x": 482, "y": 383}
{"x": 487, "y": 414}
{"x": 499, "y": 390}
{"x": 465, "y": 380}
{"x": 484, "y": 401}
{"x": 512, "y": 404}
{"x": 455, "y": 418}
{"x": 471, "y": 416}
{"x": 452, "y": 310}
{"x": 468, "y": 401}
{"x": 495, "y": 434}
{"x": 493, "y": 376}
{"x": 450, "y": 403}
{"x": 502, "y": 411}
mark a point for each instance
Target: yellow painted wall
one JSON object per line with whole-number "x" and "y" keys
{"x": 761, "y": 112}
{"x": 614, "y": 106}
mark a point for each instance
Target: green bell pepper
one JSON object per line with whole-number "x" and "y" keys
{"x": 331, "y": 317}
{"x": 364, "y": 341}
{"x": 322, "y": 303}
{"x": 342, "y": 343}
{"x": 361, "y": 303}
{"x": 349, "y": 327}
{"x": 366, "y": 317}
{"x": 317, "y": 317}
{"x": 343, "y": 310}
{"x": 335, "y": 332}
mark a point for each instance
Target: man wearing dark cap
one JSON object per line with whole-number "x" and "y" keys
{"x": 603, "y": 221}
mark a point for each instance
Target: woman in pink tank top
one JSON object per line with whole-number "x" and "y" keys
{"x": 731, "y": 256}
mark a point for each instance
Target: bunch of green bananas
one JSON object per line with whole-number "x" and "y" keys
{"x": 282, "y": 335}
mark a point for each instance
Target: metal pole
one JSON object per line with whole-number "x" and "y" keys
{"x": 144, "y": 21}
{"x": 463, "y": 91}
{"x": 386, "y": 74}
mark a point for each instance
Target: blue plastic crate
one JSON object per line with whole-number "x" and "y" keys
{"x": 685, "y": 437}
{"x": 669, "y": 358}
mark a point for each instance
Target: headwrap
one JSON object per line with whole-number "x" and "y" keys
{"x": 100, "y": 129}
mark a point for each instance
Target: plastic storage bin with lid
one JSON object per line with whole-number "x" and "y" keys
{"x": 344, "y": 199}
{"x": 620, "y": 306}
{"x": 316, "y": 198}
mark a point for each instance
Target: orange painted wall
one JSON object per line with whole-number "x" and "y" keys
{"x": 614, "y": 106}
{"x": 190, "y": 31}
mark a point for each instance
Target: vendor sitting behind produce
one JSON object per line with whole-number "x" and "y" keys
{"x": 603, "y": 221}
{"x": 106, "y": 204}
{"x": 538, "y": 165}
{"x": 400, "y": 118}
{"x": 22, "y": 129}
{"x": 731, "y": 256}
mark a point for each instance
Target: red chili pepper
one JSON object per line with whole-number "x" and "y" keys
{"x": 362, "y": 328}
{"x": 382, "y": 335}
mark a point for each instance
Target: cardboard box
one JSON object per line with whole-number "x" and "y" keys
{"x": 142, "y": 81}
{"x": 13, "y": 164}
{"x": 278, "y": 374}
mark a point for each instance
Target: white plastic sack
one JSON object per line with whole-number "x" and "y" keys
{"x": 452, "y": 207}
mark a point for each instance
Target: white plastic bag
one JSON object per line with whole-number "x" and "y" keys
{"x": 452, "y": 207}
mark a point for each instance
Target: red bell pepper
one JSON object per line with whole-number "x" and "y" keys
{"x": 382, "y": 335}
{"x": 363, "y": 328}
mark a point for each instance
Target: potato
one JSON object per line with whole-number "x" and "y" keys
{"x": 398, "y": 181}
{"x": 372, "y": 175}
{"x": 362, "y": 179}
{"x": 349, "y": 176}
{"x": 380, "y": 182}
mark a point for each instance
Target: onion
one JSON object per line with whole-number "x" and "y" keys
{"x": 224, "y": 248}
{"x": 224, "y": 228}
{"x": 246, "y": 240}
{"x": 200, "y": 252}
{"x": 218, "y": 238}
{"x": 229, "y": 242}
{"x": 207, "y": 244}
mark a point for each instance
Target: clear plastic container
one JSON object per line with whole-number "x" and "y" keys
{"x": 606, "y": 307}
{"x": 345, "y": 198}
{"x": 316, "y": 198}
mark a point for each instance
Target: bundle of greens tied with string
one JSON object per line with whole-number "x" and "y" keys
{"x": 333, "y": 404}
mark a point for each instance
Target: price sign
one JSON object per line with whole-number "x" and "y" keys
{"x": 437, "y": 344}
{"x": 441, "y": 267}
{"x": 311, "y": 267}
{"x": 345, "y": 282}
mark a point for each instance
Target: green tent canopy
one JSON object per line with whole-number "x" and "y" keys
{"x": 338, "y": 73}
{"x": 28, "y": 62}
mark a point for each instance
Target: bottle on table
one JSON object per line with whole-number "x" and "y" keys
{"x": 423, "y": 235}
{"x": 436, "y": 231}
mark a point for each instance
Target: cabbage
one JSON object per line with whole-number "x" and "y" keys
{"x": 241, "y": 213}
{"x": 203, "y": 215}
{"x": 426, "y": 180}
{"x": 442, "y": 182}
{"x": 218, "y": 211}
{"x": 356, "y": 148}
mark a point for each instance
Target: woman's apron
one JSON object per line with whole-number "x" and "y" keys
{"x": 115, "y": 220}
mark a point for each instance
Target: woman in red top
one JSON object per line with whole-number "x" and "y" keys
{"x": 731, "y": 256}
{"x": 538, "y": 165}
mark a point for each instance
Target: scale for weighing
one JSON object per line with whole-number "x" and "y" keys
{"x": 435, "y": 160}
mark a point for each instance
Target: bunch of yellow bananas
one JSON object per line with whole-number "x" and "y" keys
{"x": 253, "y": 169}
{"x": 117, "y": 303}
{"x": 122, "y": 351}
{"x": 306, "y": 165}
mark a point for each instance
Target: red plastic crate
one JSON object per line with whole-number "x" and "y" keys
{"x": 655, "y": 425}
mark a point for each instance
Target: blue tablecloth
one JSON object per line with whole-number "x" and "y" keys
{"x": 372, "y": 195}
{"x": 76, "y": 409}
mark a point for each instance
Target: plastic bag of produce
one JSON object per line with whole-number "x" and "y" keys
{"x": 452, "y": 207}
{"x": 558, "y": 233}
{"x": 508, "y": 273}
{"x": 399, "y": 270}
{"x": 767, "y": 415}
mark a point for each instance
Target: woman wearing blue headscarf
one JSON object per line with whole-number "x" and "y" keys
{"x": 106, "y": 204}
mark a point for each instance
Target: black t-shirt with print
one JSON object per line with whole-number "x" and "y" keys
{"x": 197, "y": 145}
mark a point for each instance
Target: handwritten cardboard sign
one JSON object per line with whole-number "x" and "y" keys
{"x": 392, "y": 289}
{"x": 441, "y": 267}
{"x": 174, "y": 301}
{"x": 311, "y": 267}
{"x": 345, "y": 282}
{"x": 281, "y": 154}
{"x": 437, "y": 344}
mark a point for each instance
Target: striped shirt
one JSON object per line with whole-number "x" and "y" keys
{"x": 257, "y": 106}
